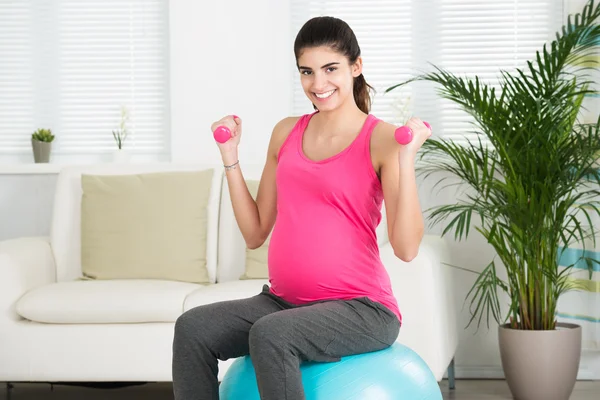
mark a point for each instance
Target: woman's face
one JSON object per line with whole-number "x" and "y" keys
{"x": 327, "y": 77}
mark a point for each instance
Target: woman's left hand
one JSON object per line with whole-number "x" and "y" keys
{"x": 420, "y": 134}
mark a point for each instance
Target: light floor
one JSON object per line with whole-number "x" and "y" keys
{"x": 465, "y": 390}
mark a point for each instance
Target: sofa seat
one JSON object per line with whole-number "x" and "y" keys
{"x": 105, "y": 302}
{"x": 232, "y": 290}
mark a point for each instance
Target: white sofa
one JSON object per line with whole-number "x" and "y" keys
{"x": 55, "y": 328}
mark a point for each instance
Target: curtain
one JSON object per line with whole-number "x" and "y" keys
{"x": 582, "y": 306}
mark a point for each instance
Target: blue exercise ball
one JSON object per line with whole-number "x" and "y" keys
{"x": 395, "y": 373}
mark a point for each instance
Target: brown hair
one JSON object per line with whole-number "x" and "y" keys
{"x": 337, "y": 34}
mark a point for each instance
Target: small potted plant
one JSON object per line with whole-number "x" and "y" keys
{"x": 41, "y": 143}
{"x": 120, "y": 135}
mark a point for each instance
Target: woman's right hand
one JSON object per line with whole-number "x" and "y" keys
{"x": 229, "y": 148}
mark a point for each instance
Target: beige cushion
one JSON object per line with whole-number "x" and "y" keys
{"x": 106, "y": 302}
{"x": 145, "y": 226}
{"x": 256, "y": 259}
{"x": 224, "y": 291}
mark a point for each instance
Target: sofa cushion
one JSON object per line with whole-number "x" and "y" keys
{"x": 232, "y": 290}
{"x": 256, "y": 266}
{"x": 145, "y": 226}
{"x": 105, "y": 302}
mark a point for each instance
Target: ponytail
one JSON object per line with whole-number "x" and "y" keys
{"x": 362, "y": 95}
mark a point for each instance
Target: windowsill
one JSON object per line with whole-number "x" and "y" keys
{"x": 31, "y": 168}
{"x": 53, "y": 168}
{"x": 28, "y": 167}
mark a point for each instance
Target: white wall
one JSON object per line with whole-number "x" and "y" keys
{"x": 26, "y": 201}
{"x": 228, "y": 57}
{"x": 235, "y": 56}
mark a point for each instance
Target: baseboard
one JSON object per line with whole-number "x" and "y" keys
{"x": 479, "y": 372}
{"x": 496, "y": 372}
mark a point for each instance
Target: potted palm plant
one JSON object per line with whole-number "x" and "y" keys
{"x": 533, "y": 187}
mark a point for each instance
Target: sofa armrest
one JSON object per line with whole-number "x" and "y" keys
{"x": 25, "y": 263}
{"x": 424, "y": 290}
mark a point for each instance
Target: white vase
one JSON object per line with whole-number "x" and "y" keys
{"x": 121, "y": 156}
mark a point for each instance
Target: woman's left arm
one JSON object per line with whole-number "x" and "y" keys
{"x": 404, "y": 216}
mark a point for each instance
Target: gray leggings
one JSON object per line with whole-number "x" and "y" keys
{"x": 278, "y": 336}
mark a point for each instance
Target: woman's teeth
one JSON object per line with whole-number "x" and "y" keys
{"x": 324, "y": 95}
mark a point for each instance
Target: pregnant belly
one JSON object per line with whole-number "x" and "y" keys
{"x": 318, "y": 265}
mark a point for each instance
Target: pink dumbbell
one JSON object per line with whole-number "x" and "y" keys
{"x": 222, "y": 133}
{"x": 404, "y": 134}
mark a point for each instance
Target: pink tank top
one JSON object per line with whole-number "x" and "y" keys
{"x": 324, "y": 245}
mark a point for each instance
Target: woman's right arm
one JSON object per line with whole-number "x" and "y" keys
{"x": 255, "y": 218}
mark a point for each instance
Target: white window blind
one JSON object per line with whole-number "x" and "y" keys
{"x": 16, "y": 75}
{"x": 483, "y": 37}
{"x": 399, "y": 39}
{"x": 72, "y": 65}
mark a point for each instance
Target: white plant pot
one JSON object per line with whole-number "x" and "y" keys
{"x": 541, "y": 365}
{"x": 121, "y": 156}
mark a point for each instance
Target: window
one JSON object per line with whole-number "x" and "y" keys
{"x": 72, "y": 65}
{"x": 400, "y": 38}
